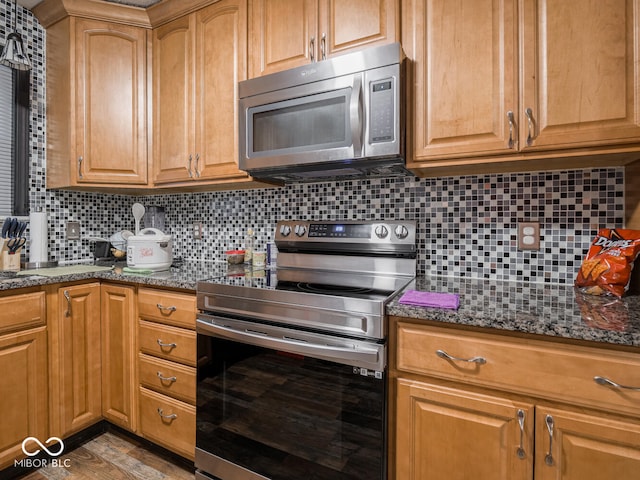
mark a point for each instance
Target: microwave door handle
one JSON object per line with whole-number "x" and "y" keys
{"x": 355, "y": 108}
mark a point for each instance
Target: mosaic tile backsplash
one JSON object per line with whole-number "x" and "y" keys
{"x": 467, "y": 226}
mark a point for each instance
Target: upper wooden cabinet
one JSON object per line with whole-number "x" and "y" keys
{"x": 96, "y": 104}
{"x": 504, "y": 80}
{"x": 198, "y": 61}
{"x": 285, "y": 34}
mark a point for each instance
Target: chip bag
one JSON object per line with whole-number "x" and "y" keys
{"x": 606, "y": 270}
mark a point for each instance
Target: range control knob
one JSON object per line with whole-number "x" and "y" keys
{"x": 300, "y": 230}
{"x": 401, "y": 232}
{"x": 285, "y": 230}
{"x": 381, "y": 231}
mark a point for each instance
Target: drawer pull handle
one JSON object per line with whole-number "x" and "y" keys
{"x": 445, "y": 355}
{"x": 173, "y": 416}
{"x": 529, "y": 113}
{"x": 611, "y": 383}
{"x": 166, "y": 345}
{"x": 166, "y": 379}
{"x": 510, "y": 117}
{"x": 67, "y": 313}
{"x": 162, "y": 308}
{"x": 548, "y": 459}
{"x": 521, "y": 452}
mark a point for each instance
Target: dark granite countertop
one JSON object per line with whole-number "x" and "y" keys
{"x": 183, "y": 277}
{"x": 551, "y": 310}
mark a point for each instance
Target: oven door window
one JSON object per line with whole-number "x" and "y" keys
{"x": 287, "y": 416}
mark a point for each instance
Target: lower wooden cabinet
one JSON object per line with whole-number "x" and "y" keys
{"x": 168, "y": 422}
{"x": 75, "y": 358}
{"x": 23, "y": 396}
{"x": 166, "y": 368}
{"x": 486, "y": 412}
{"x": 119, "y": 350}
{"x": 449, "y": 433}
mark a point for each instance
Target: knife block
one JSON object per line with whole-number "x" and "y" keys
{"x": 9, "y": 262}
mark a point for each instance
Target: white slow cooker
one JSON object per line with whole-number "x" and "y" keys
{"x": 150, "y": 249}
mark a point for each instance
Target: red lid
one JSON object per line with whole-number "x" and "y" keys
{"x": 234, "y": 252}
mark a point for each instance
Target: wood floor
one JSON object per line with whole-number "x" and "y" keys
{"x": 112, "y": 456}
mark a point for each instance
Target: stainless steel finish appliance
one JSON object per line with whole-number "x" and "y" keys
{"x": 292, "y": 361}
{"x": 338, "y": 118}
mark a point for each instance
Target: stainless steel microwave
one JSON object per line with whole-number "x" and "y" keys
{"x": 337, "y": 118}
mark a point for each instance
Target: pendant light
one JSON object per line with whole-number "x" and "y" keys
{"x": 14, "y": 54}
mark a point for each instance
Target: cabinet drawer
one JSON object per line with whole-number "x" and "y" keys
{"x": 177, "y": 380}
{"x": 171, "y": 308}
{"x": 556, "y": 371}
{"x": 22, "y": 311}
{"x": 176, "y": 344}
{"x": 169, "y": 422}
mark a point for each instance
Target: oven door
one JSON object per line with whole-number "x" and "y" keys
{"x": 283, "y": 404}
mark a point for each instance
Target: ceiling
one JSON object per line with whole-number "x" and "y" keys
{"x": 136, "y": 3}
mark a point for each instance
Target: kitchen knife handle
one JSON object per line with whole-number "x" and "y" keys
{"x": 68, "y": 297}
{"x": 80, "y": 159}
{"x": 162, "y": 308}
{"x": 166, "y": 345}
{"x": 172, "y": 416}
{"x": 312, "y": 48}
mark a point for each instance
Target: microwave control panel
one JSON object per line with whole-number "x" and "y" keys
{"x": 382, "y": 111}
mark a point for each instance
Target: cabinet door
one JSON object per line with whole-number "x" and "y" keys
{"x": 463, "y": 79}
{"x": 356, "y": 24}
{"x": 23, "y": 402}
{"x": 580, "y": 77}
{"x": 282, "y": 35}
{"x": 221, "y": 62}
{"x": 449, "y": 433}
{"x": 75, "y": 350}
{"x": 173, "y": 66}
{"x": 585, "y": 447}
{"x": 111, "y": 108}
{"x": 118, "y": 355}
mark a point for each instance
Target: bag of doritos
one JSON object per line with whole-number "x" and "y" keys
{"x": 606, "y": 270}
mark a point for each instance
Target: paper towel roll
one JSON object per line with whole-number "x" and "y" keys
{"x": 39, "y": 237}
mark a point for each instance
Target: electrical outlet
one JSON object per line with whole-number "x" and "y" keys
{"x": 73, "y": 231}
{"x": 197, "y": 230}
{"x": 529, "y": 236}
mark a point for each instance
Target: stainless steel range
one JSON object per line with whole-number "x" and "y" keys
{"x": 292, "y": 361}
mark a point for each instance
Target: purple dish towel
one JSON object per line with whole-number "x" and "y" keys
{"x": 430, "y": 299}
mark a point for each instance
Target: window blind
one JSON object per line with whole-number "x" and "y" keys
{"x": 6, "y": 140}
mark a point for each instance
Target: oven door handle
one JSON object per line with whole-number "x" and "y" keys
{"x": 346, "y": 355}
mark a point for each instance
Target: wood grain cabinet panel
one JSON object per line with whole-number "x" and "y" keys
{"x": 119, "y": 350}
{"x": 198, "y": 61}
{"x": 170, "y": 343}
{"x": 75, "y": 354}
{"x": 23, "y": 402}
{"x": 171, "y": 308}
{"x": 287, "y": 34}
{"x": 168, "y": 378}
{"x": 96, "y": 104}
{"x": 452, "y": 434}
{"x": 585, "y": 446}
{"x": 502, "y": 81}
{"x": 480, "y": 405}
{"x": 25, "y": 310}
